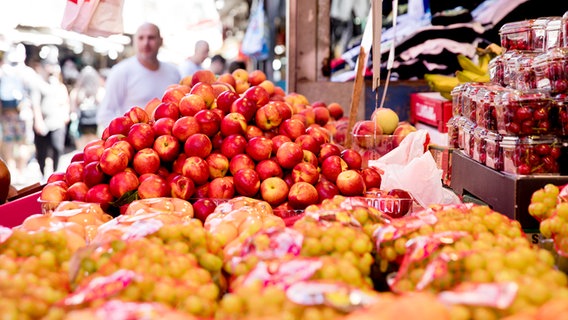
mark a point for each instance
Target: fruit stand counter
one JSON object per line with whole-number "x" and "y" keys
{"x": 505, "y": 193}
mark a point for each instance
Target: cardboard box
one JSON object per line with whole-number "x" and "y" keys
{"x": 430, "y": 108}
{"x": 14, "y": 212}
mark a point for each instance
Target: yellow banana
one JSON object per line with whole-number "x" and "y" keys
{"x": 467, "y": 64}
{"x": 441, "y": 83}
{"x": 484, "y": 62}
{"x": 446, "y": 94}
{"x": 468, "y": 76}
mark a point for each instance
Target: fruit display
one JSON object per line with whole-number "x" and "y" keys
{"x": 465, "y": 252}
{"x": 520, "y": 111}
{"x": 332, "y": 262}
{"x": 229, "y": 199}
{"x": 207, "y": 139}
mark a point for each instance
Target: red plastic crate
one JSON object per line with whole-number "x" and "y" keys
{"x": 430, "y": 108}
{"x": 13, "y": 213}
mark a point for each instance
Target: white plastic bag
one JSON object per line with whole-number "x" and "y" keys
{"x": 412, "y": 168}
{"x": 93, "y": 17}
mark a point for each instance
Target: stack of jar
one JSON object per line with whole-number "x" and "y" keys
{"x": 518, "y": 122}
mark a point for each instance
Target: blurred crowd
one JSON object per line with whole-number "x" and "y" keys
{"x": 49, "y": 105}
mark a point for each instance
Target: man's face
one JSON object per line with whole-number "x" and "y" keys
{"x": 148, "y": 41}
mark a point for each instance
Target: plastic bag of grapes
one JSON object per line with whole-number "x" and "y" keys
{"x": 268, "y": 244}
{"x": 192, "y": 295}
{"x": 133, "y": 226}
{"x": 355, "y": 210}
{"x": 232, "y": 222}
{"x": 429, "y": 263}
{"x": 309, "y": 299}
{"x": 286, "y": 271}
{"x": 117, "y": 309}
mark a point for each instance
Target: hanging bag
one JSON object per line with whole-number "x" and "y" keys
{"x": 93, "y": 17}
{"x": 255, "y": 40}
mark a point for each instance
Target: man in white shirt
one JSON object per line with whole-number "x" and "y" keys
{"x": 137, "y": 80}
{"x": 195, "y": 62}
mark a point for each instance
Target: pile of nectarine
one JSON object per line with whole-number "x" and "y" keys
{"x": 216, "y": 137}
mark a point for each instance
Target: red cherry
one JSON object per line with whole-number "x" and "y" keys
{"x": 543, "y": 149}
{"x": 524, "y": 169}
{"x": 555, "y": 152}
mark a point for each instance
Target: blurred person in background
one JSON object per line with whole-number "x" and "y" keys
{"x": 138, "y": 79}
{"x": 86, "y": 97}
{"x": 51, "y": 116}
{"x": 218, "y": 64}
{"x": 17, "y": 84}
{"x": 195, "y": 62}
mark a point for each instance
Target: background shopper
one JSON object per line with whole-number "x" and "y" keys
{"x": 138, "y": 79}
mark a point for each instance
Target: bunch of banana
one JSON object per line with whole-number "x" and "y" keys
{"x": 471, "y": 71}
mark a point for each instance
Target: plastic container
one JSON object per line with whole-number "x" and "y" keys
{"x": 497, "y": 70}
{"x": 493, "y": 152}
{"x": 479, "y": 144}
{"x": 524, "y": 113}
{"x": 510, "y": 66}
{"x": 564, "y": 28}
{"x": 560, "y": 103}
{"x": 394, "y": 207}
{"x": 468, "y": 136}
{"x": 470, "y": 99}
{"x": 522, "y": 72}
{"x": 372, "y": 147}
{"x": 486, "y": 115}
{"x": 531, "y": 155}
{"x": 554, "y": 34}
{"x": 551, "y": 70}
{"x": 453, "y": 131}
{"x": 526, "y": 35}
{"x": 463, "y": 123}
{"x": 457, "y": 99}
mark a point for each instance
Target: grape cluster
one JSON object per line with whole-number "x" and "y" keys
{"x": 267, "y": 244}
{"x": 33, "y": 274}
{"x": 179, "y": 266}
{"x": 556, "y": 228}
{"x": 303, "y": 300}
{"x": 391, "y": 240}
{"x": 543, "y": 202}
{"x": 348, "y": 208}
{"x": 467, "y": 247}
{"x": 336, "y": 239}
